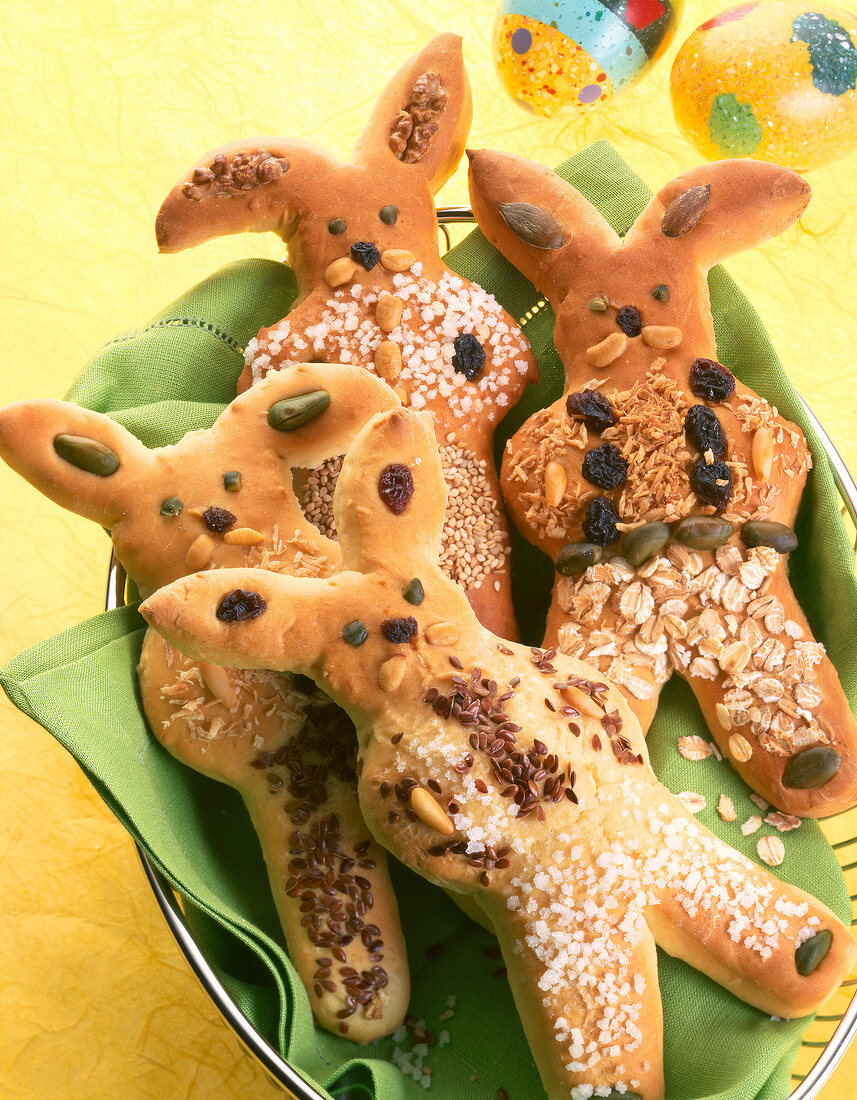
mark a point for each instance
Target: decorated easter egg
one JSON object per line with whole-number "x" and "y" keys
{"x": 575, "y": 54}
{"x": 775, "y": 81}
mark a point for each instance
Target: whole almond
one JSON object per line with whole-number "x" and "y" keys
{"x": 397, "y": 259}
{"x": 443, "y": 634}
{"x": 388, "y": 312}
{"x": 392, "y": 672}
{"x": 607, "y": 351}
{"x": 685, "y": 210}
{"x": 243, "y": 536}
{"x": 555, "y": 483}
{"x": 341, "y": 271}
{"x": 661, "y": 336}
{"x": 763, "y": 453}
{"x": 199, "y": 553}
{"x": 216, "y": 679}
{"x": 388, "y": 360}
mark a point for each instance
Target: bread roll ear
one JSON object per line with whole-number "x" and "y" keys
{"x": 82, "y": 460}
{"x": 391, "y": 496}
{"x": 540, "y": 223}
{"x": 423, "y": 116}
{"x": 716, "y": 210}
{"x": 251, "y": 186}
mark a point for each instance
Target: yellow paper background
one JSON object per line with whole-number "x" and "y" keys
{"x": 104, "y": 105}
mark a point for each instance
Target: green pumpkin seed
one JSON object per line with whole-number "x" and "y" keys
{"x": 336, "y": 227}
{"x": 294, "y": 412}
{"x": 685, "y": 210}
{"x": 87, "y": 454}
{"x": 232, "y": 481}
{"x": 812, "y": 951}
{"x": 388, "y": 214}
{"x": 533, "y": 224}
{"x": 614, "y": 1095}
{"x": 645, "y": 542}
{"x": 811, "y": 768}
{"x": 576, "y": 557}
{"x": 765, "y": 532}
{"x": 414, "y": 592}
{"x": 704, "y": 532}
{"x": 598, "y": 304}
{"x": 171, "y": 506}
{"x": 355, "y": 633}
{"x": 661, "y": 292}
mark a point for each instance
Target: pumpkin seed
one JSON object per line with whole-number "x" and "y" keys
{"x": 232, "y": 481}
{"x": 704, "y": 532}
{"x": 533, "y": 224}
{"x": 811, "y": 768}
{"x": 685, "y": 210}
{"x": 598, "y": 304}
{"x": 87, "y": 454}
{"x": 645, "y": 542}
{"x": 576, "y": 557}
{"x": 812, "y": 951}
{"x": 614, "y": 1095}
{"x": 766, "y": 532}
{"x": 414, "y": 592}
{"x": 355, "y": 633}
{"x": 336, "y": 227}
{"x": 171, "y": 506}
{"x": 388, "y": 214}
{"x": 294, "y": 412}
{"x": 661, "y": 292}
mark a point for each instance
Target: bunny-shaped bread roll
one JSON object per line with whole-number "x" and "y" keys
{"x": 512, "y": 776}
{"x": 655, "y": 441}
{"x": 224, "y": 497}
{"x": 373, "y": 290}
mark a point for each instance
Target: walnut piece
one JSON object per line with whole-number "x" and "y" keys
{"x": 417, "y": 123}
{"x": 229, "y": 175}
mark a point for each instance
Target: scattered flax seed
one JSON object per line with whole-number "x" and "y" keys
{"x": 694, "y": 748}
{"x": 771, "y": 850}
{"x": 726, "y": 808}
{"x": 783, "y": 823}
{"x": 751, "y": 825}
{"x": 692, "y": 801}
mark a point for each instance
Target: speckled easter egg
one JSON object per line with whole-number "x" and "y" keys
{"x": 774, "y": 81}
{"x": 555, "y": 55}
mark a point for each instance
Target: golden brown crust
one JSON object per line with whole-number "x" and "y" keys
{"x": 517, "y": 778}
{"x": 633, "y": 326}
{"x": 399, "y": 311}
{"x": 291, "y": 755}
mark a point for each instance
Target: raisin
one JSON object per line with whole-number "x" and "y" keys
{"x": 629, "y": 321}
{"x": 469, "y": 357}
{"x": 704, "y": 431}
{"x": 605, "y": 467}
{"x": 599, "y": 526}
{"x": 593, "y": 407}
{"x": 399, "y": 630}
{"x": 710, "y": 380}
{"x": 238, "y": 606}
{"x": 365, "y": 253}
{"x": 704, "y": 478}
{"x": 396, "y": 487}
{"x": 218, "y": 519}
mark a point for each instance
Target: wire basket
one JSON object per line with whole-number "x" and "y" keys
{"x": 828, "y": 1036}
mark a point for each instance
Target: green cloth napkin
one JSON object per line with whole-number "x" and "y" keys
{"x": 176, "y": 374}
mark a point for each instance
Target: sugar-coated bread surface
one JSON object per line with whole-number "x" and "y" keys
{"x": 518, "y": 777}
{"x": 663, "y": 488}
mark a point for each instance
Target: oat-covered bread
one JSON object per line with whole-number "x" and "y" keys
{"x": 373, "y": 289}
{"x": 664, "y": 490}
{"x": 516, "y": 777}
{"x": 224, "y": 497}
